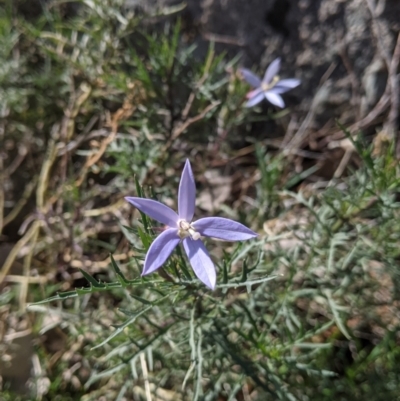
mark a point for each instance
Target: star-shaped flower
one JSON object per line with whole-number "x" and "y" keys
{"x": 270, "y": 87}
{"x": 181, "y": 228}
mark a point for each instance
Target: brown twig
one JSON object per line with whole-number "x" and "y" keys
{"x": 21, "y": 279}
{"x": 123, "y": 113}
{"x": 183, "y": 126}
{"x": 199, "y": 84}
{"x": 103, "y": 210}
{"x": 85, "y": 136}
{"x": 2, "y": 180}
{"x": 391, "y": 126}
{"x": 22, "y": 201}
{"x": 392, "y": 64}
{"x": 229, "y": 40}
{"x": 145, "y": 376}
{"x": 389, "y": 98}
{"x": 16, "y": 249}
{"x": 23, "y": 292}
{"x": 32, "y": 233}
{"x": 42, "y": 204}
{"x": 378, "y": 34}
{"x": 2, "y": 198}
{"x": 77, "y": 99}
{"x": 185, "y": 122}
{"x": 356, "y": 97}
{"x": 45, "y": 171}
{"x": 22, "y": 152}
{"x": 300, "y": 135}
{"x": 176, "y": 133}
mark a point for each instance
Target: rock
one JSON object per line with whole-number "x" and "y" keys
{"x": 310, "y": 36}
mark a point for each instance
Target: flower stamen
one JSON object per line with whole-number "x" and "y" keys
{"x": 186, "y": 230}
{"x": 267, "y": 86}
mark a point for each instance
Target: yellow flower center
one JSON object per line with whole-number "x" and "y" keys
{"x": 186, "y": 230}
{"x": 266, "y": 87}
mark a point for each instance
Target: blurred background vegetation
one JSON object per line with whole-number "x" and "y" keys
{"x": 101, "y": 99}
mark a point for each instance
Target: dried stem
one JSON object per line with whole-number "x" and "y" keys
{"x": 378, "y": 33}
{"x": 392, "y": 64}
{"x": 17, "y": 248}
{"x": 355, "y": 84}
{"x": 198, "y": 85}
{"x": 145, "y": 376}
{"x": 2, "y": 179}
{"x": 300, "y": 135}
{"x": 22, "y": 201}
{"x": 2, "y": 220}
{"x": 123, "y": 113}
{"x": 391, "y": 125}
{"x": 26, "y": 270}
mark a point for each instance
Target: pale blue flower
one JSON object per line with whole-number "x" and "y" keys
{"x": 270, "y": 88}
{"x": 181, "y": 228}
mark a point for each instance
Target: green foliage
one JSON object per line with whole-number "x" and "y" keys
{"x": 271, "y": 330}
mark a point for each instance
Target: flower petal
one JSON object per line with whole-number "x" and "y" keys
{"x": 257, "y": 97}
{"x": 275, "y": 99}
{"x": 253, "y": 93}
{"x": 187, "y": 193}
{"x": 156, "y": 210}
{"x": 278, "y": 90}
{"x": 251, "y": 78}
{"x": 287, "y": 84}
{"x": 272, "y": 70}
{"x": 201, "y": 262}
{"x": 160, "y": 250}
{"x": 226, "y": 229}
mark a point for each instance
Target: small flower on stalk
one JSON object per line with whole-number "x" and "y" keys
{"x": 181, "y": 228}
{"x": 270, "y": 87}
